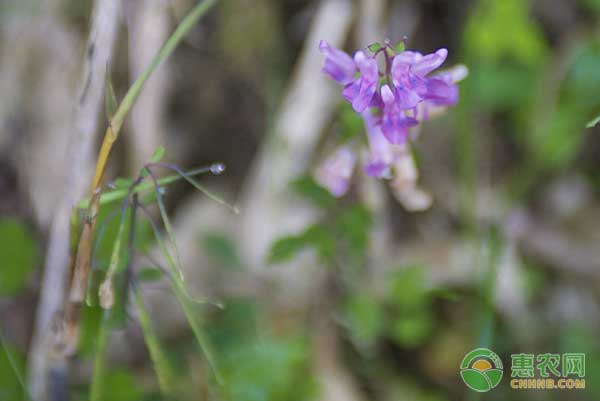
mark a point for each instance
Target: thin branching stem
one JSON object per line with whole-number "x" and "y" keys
{"x": 79, "y": 280}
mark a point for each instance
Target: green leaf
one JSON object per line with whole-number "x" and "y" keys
{"x": 593, "y": 122}
{"x": 123, "y": 183}
{"x": 375, "y": 47}
{"x": 354, "y": 225}
{"x": 351, "y": 124}
{"x": 322, "y": 239}
{"x": 487, "y": 39}
{"x": 12, "y": 372}
{"x": 317, "y": 236}
{"x": 158, "y": 154}
{"x": 285, "y": 248}
{"x": 412, "y": 330}
{"x": 19, "y": 256}
{"x": 447, "y": 294}
{"x": 559, "y": 138}
{"x": 364, "y": 317}
{"x": 307, "y": 188}
{"x": 110, "y": 100}
{"x": 400, "y": 47}
{"x": 148, "y": 274}
{"x": 221, "y": 249}
{"x": 122, "y": 386}
{"x": 407, "y": 290}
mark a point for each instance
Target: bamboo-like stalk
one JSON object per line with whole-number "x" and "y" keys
{"x": 81, "y": 136}
{"x": 79, "y": 280}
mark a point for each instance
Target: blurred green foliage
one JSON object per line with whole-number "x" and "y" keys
{"x": 12, "y": 365}
{"x": 487, "y": 39}
{"x": 221, "y": 249}
{"x": 257, "y": 362}
{"x": 549, "y": 96}
{"x": 19, "y": 252}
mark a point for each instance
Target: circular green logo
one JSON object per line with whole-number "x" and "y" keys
{"x": 481, "y": 370}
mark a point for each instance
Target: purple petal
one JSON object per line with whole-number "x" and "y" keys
{"x": 452, "y": 75}
{"x": 381, "y": 153}
{"x": 335, "y": 173}
{"x": 408, "y": 98}
{"x": 429, "y": 62}
{"x": 395, "y": 123}
{"x": 439, "y": 92}
{"x": 351, "y": 90}
{"x": 377, "y": 101}
{"x": 377, "y": 169}
{"x": 387, "y": 95}
{"x": 369, "y": 77}
{"x": 338, "y": 65}
{"x": 407, "y": 57}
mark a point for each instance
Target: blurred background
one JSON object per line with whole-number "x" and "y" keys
{"x": 323, "y": 299}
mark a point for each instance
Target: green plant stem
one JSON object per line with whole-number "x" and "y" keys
{"x": 97, "y": 387}
{"x": 160, "y": 361}
{"x": 82, "y": 259}
{"x": 182, "y": 29}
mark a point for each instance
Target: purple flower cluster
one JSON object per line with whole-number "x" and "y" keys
{"x": 391, "y": 103}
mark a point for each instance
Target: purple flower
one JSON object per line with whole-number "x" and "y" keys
{"x": 360, "y": 93}
{"x": 395, "y": 122}
{"x": 441, "y": 93}
{"x": 335, "y": 173}
{"x": 436, "y": 104}
{"x": 409, "y": 91}
{"x": 409, "y": 75}
{"x": 381, "y": 152}
{"x": 338, "y": 64}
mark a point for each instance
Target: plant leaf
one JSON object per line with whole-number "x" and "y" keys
{"x": 149, "y": 274}
{"x": 593, "y": 122}
{"x": 110, "y": 100}
{"x": 307, "y": 188}
{"x": 374, "y": 47}
{"x": 158, "y": 154}
{"x": 286, "y": 248}
{"x": 19, "y": 254}
{"x": 159, "y": 358}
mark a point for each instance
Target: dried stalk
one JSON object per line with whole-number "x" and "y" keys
{"x": 85, "y": 121}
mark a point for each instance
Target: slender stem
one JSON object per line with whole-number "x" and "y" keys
{"x": 184, "y": 27}
{"x": 82, "y": 260}
{"x": 97, "y": 386}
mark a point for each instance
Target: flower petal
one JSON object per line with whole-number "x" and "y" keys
{"x": 429, "y": 62}
{"x": 367, "y": 85}
{"x": 336, "y": 171}
{"x": 395, "y": 123}
{"x": 381, "y": 153}
{"x": 338, "y": 64}
{"x": 439, "y": 92}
